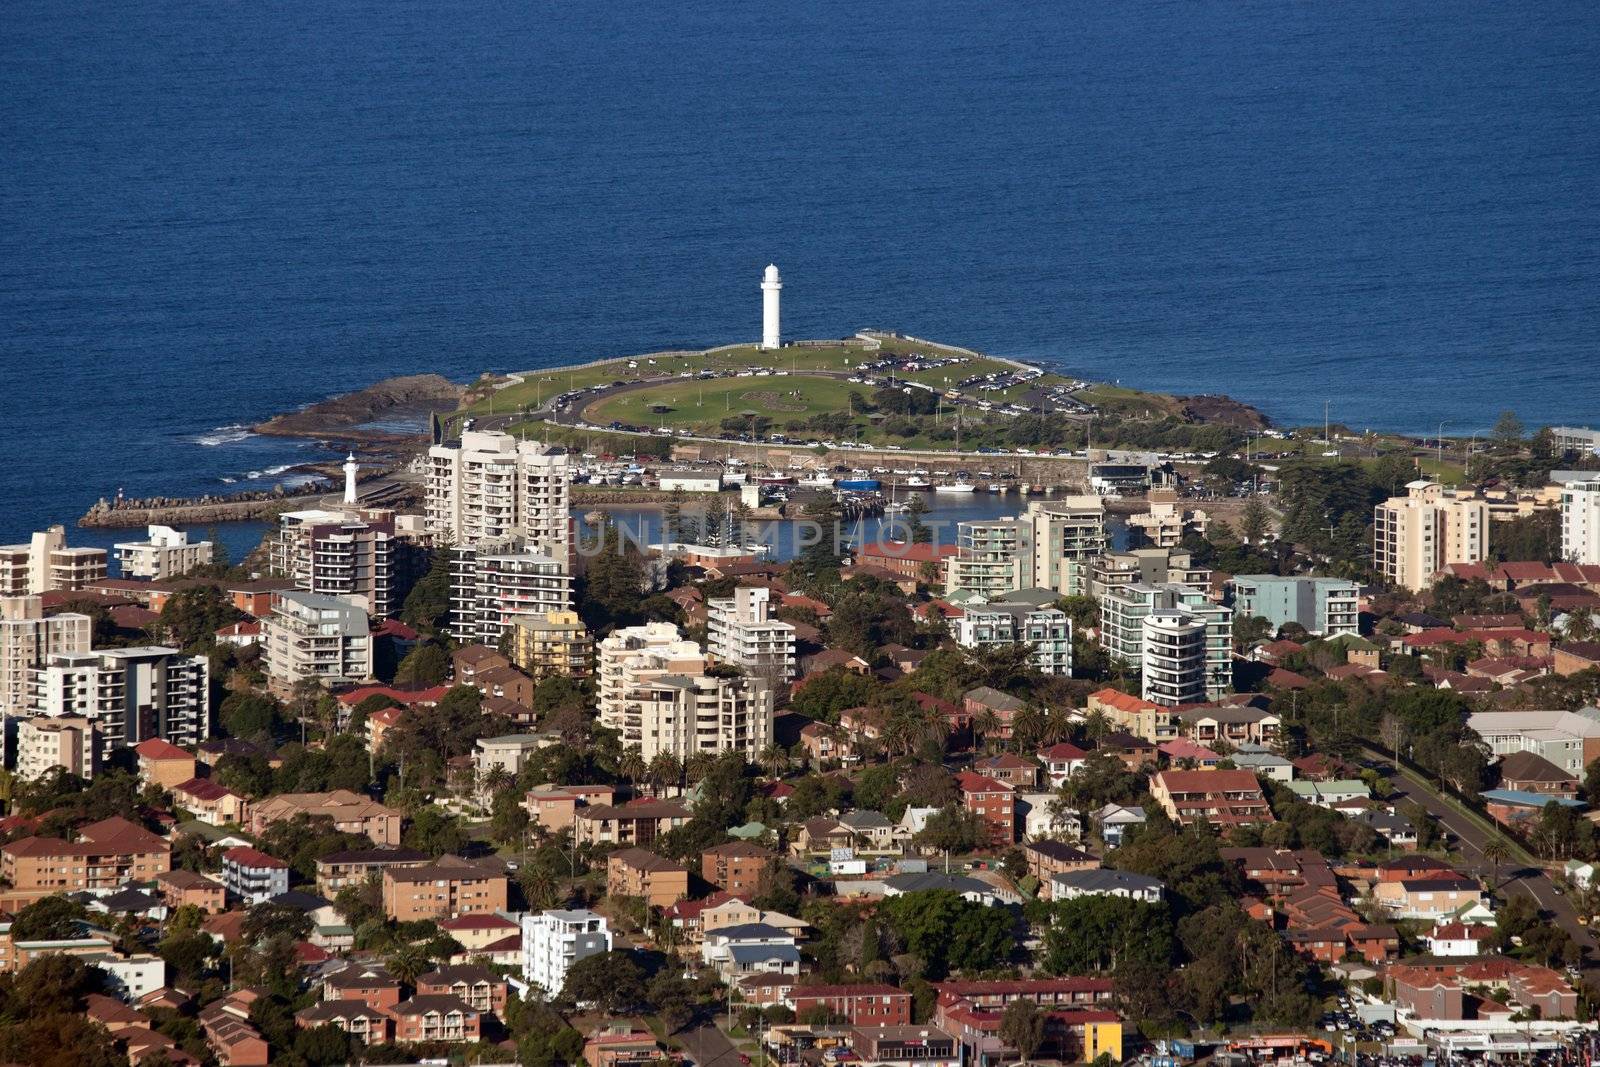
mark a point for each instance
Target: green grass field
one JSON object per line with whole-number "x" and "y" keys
{"x": 541, "y": 385}
{"x": 703, "y": 405}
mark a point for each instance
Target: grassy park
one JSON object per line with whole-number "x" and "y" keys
{"x": 703, "y": 405}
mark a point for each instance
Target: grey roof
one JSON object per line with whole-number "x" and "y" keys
{"x": 299, "y": 899}
{"x": 994, "y": 698}
{"x": 751, "y": 932}
{"x": 757, "y": 953}
{"x": 866, "y": 820}
{"x": 1035, "y": 597}
{"x": 1104, "y": 880}
{"x": 917, "y": 883}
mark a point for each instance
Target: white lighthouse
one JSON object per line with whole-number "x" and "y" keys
{"x": 771, "y": 286}
{"x": 350, "y": 468}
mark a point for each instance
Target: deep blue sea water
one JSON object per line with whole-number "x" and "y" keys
{"x": 212, "y": 212}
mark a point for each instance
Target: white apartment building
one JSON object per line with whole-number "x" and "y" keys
{"x": 1048, "y": 630}
{"x": 553, "y": 940}
{"x": 164, "y": 553}
{"x": 656, "y": 692}
{"x": 46, "y": 564}
{"x": 316, "y": 637}
{"x": 1174, "y": 669}
{"x": 27, "y": 639}
{"x": 1122, "y": 631}
{"x": 130, "y": 694}
{"x": 492, "y": 584}
{"x": 1152, "y": 566}
{"x": 1417, "y": 535}
{"x": 1580, "y": 521}
{"x": 1577, "y": 439}
{"x": 741, "y": 630}
{"x": 1035, "y": 550}
{"x": 356, "y": 555}
{"x": 43, "y": 744}
{"x": 491, "y": 487}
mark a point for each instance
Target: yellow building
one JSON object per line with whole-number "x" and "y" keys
{"x": 1417, "y": 535}
{"x": 554, "y": 643}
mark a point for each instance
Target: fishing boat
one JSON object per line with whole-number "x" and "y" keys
{"x": 997, "y": 487}
{"x": 955, "y": 487}
{"x": 817, "y": 481}
{"x": 915, "y": 482}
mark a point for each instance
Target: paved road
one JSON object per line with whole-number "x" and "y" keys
{"x": 709, "y": 1047}
{"x": 1471, "y": 839}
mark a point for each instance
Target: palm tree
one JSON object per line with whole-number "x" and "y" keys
{"x": 774, "y": 760}
{"x": 1496, "y": 853}
{"x": 664, "y": 770}
{"x": 409, "y": 962}
{"x": 1096, "y": 725}
{"x": 985, "y": 725}
{"x": 631, "y": 765}
{"x": 698, "y": 765}
{"x": 495, "y": 780}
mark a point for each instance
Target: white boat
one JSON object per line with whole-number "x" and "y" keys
{"x": 996, "y": 487}
{"x": 916, "y": 483}
{"x": 955, "y": 487}
{"x": 817, "y": 481}
{"x": 894, "y": 507}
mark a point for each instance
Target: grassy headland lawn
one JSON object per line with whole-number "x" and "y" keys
{"x": 704, "y": 404}
{"x": 539, "y": 385}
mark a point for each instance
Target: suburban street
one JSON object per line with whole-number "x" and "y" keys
{"x": 1471, "y": 838}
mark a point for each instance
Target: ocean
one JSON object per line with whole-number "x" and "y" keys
{"x": 215, "y": 212}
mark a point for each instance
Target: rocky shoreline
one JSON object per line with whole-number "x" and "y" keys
{"x": 349, "y": 416}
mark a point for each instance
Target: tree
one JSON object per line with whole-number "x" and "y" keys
{"x": 609, "y": 981}
{"x": 1100, "y": 933}
{"x": 948, "y": 932}
{"x": 52, "y": 918}
{"x": 408, "y": 962}
{"x": 1508, "y": 429}
{"x": 1256, "y": 521}
{"x": 1022, "y": 1028}
{"x": 427, "y": 606}
{"x": 951, "y": 829}
{"x": 425, "y": 665}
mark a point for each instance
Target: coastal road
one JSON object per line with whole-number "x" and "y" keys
{"x": 1471, "y": 838}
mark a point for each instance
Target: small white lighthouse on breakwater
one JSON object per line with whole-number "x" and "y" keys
{"x": 350, "y": 468}
{"x": 771, "y": 286}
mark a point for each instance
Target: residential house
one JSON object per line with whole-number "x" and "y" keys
{"x": 1430, "y": 897}
{"x": 1101, "y": 882}
{"x": 163, "y": 763}
{"x": 737, "y": 866}
{"x": 638, "y": 872}
{"x": 1235, "y": 724}
{"x": 106, "y": 855}
{"x": 995, "y": 803}
{"x": 750, "y": 948}
{"x": 436, "y": 1018}
{"x": 366, "y": 1024}
{"x": 1530, "y": 773}
{"x": 1061, "y": 761}
{"x": 1114, "y": 822}
{"x": 1143, "y": 719}
{"x": 252, "y": 875}
{"x": 985, "y": 701}
{"x": 349, "y": 811}
{"x": 210, "y": 803}
{"x": 350, "y": 867}
{"x": 1047, "y": 858}
{"x": 1222, "y": 798}
{"x": 447, "y": 887}
{"x": 867, "y": 1004}
{"x": 482, "y": 989}
{"x": 182, "y": 887}
{"x": 638, "y": 822}
{"x": 226, "y": 1025}
{"x": 1010, "y": 769}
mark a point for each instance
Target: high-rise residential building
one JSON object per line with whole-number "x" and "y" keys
{"x": 1122, "y": 631}
{"x": 312, "y": 637}
{"x": 352, "y": 554}
{"x": 70, "y": 742}
{"x": 164, "y": 553}
{"x": 740, "y": 629}
{"x": 494, "y": 583}
{"x": 1165, "y": 524}
{"x": 27, "y": 638}
{"x": 655, "y": 690}
{"x": 1036, "y": 550}
{"x": 1323, "y": 606}
{"x": 554, "y": 643}
{"x": 552, "y": 941}
{"x": 1417, "y": 535}
{"x": 130, "y": 694}
{"x": 491, "y": 487}
{"x": 1580, "y": 521}
{"x": 1174, "y": 667}
{"x": 45, "y": 564}
{"x": 1062, "y": 532}
{"x": 1152, "y": 566}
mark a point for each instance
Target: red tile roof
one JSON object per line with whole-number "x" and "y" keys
{"x": 157, "y": 749}
{"x": 245, "y": 856}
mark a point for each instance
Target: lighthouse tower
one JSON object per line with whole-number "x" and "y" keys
{"x": 771, "y": 286}
{"x": 350, "y": 468}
